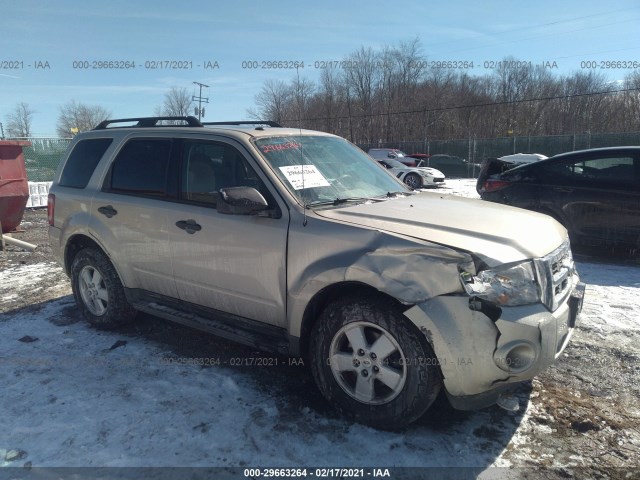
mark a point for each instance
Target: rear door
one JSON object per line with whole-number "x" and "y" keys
{"x": 598, "y": 195}
{"x": 230, "y": 263}
{"x": 129, "y": 218}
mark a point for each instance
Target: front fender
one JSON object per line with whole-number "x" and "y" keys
{"x": 407, "y": 269}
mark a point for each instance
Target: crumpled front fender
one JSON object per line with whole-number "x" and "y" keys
{"x": 407, "y": 269}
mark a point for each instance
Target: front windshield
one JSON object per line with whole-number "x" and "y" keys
{"x": 395, "y": 164}
{"x": 324, "y": 168}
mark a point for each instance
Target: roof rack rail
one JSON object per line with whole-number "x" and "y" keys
{"x": 151, "y": 122}
{"x": 269, "y": 123}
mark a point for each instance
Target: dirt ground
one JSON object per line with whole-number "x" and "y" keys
{"x": 583, "y": 412}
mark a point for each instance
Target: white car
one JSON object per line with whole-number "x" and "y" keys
{"x": 415, "y": 177}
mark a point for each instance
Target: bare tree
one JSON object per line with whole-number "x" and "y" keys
{"x": 19, "y": 121}
{"x": 388, "y": 95}
{"x": 301, "y": 90}
{"x": 328, "y": 94}
{"x": 177, "y": 103}
{"x": 272, "y": 101}
{"x": 78, "y": 117}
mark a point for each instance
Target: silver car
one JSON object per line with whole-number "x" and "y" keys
{"x": 295, "y": 242}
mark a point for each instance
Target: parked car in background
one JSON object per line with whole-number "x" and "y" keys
{"x": 417, "y": 158}
{"x": 493, "y": 166}
{"x": 451, "y": 165}
{"x": 594, "y": 193}
{"x": 522, "y": 158}
{"x": 392, "y": 154}
{"x": 413, "y": 176}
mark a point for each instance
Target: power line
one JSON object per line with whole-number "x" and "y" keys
{"x": 476, "y": 105}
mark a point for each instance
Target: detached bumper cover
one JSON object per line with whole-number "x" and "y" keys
{"x": 481, "y": 358}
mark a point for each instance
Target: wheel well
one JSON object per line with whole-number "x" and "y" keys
{"x": 74, "y": 245}
{"x": 323, "y": 298}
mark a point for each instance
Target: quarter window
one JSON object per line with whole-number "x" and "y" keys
{"x": 83, "y": 160}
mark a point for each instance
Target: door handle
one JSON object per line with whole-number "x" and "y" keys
{"x": 108, "y": 211}
{"x": 190, "y": 226}
{"x": 563, "y": 189}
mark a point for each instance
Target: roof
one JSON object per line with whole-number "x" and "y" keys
{"x": 191, "y": 125}
{"x": 634, "y": 148}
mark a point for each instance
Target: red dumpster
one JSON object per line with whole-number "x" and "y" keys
{"x": 14, "y": 188}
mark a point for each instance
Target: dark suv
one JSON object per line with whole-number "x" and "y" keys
{"x": 594, "y": 193}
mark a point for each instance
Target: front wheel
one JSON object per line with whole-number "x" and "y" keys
{"x": 372, "y": 364}
{"x": 98, "y": 290}
{"x": 413, "y": 180}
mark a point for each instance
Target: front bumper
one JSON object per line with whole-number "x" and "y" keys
{"x": 481, "y": 358}
{"x": 433, "y": 181}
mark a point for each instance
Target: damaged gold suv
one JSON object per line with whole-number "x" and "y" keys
{"x": 296, "y": 242}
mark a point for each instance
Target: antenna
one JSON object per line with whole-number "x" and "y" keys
{"x": 304, "y": 199}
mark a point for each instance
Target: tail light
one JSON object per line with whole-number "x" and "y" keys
{"x": 51, "y": 206}
{"x": 491, "y": 185}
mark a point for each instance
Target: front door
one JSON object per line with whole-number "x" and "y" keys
{"x": 230, "y": 263}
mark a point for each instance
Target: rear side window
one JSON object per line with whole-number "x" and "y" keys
{"x": 141, "y": 168}
{"x": 83, "y": 161}
{"x": 609, "y": 171}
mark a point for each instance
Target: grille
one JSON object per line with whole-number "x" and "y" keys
{"x": 555, "y": 271}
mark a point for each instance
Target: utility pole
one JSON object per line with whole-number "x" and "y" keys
{"x": 201, "y": 100}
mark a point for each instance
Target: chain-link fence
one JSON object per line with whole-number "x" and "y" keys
{"x": 44, "y": 154}
{"x": 475, "y": 150}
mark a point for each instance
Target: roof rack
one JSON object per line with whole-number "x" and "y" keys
{"x": 249, "y": 122}
{"x": 151, "y": 122}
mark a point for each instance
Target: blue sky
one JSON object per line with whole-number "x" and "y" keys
{"x": 61, "y": 32}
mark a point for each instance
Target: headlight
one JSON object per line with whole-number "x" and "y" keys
{"x": 510, "y": 286}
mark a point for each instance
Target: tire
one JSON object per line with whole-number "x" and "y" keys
{"x": 413, "y": 180}
{"x": 389, "y": 379}
{"x": 98, "y": 290}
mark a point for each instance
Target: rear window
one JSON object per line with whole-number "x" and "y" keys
{"x": 83, "y": 161}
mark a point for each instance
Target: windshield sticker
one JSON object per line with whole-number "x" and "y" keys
{"x": 279, "y": 146}
{"x": 310, "y": 177}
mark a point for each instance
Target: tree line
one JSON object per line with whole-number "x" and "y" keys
{"x": 393, "y": 94}
{"x": 75, "y": 116}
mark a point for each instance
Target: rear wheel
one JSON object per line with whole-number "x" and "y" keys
{"x": 372, "y": 364}
{"x": 413, "y": 180}
{"x": 98, "y": 291}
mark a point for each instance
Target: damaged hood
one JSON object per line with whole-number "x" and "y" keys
{"x": 495, "y": 233}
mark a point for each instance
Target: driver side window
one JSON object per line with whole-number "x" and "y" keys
{"x": 209, "y": 166}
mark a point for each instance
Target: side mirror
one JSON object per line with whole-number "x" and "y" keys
{"x": 241, "y": 201}
{"x": 392, "y": 155}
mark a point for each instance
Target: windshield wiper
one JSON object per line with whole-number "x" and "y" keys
{"x": 395, "y": 194}
{"x": 340, "y": 201}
